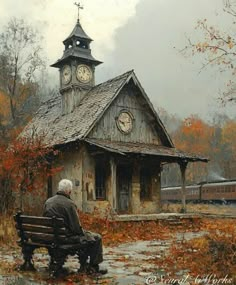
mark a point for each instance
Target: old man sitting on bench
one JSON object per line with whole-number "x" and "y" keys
{"x": 62, "y": 206}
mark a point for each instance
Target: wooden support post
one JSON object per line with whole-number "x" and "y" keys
{"x": 113, "y": 194}
{"x": 183, "y": 166}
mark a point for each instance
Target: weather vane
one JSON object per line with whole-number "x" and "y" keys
{"x": 79, "y": 7}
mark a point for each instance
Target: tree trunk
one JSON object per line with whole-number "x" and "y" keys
{"x": 12, "y": 109}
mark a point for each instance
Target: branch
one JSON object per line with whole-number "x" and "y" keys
{"x": 209, "y": 47}
{"x": 213, "y": 35}
{"x": 228, "y": 8}
{"x": 210, "y": 62}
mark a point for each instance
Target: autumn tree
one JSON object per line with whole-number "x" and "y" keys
{"x": 228, "y": 139}
{"x": 194, "y": 136}
{"x": 20, "y": 59}
{"x": 219, "y": 48}
{"x": 25, "y": 167}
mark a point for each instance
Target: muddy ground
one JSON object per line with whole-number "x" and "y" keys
{"x": 128, "y": 263}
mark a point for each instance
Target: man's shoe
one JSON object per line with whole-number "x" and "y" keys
{"x": 93, "y": 269}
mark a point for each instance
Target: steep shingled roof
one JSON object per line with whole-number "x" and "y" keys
{"x": 58, "y": 129}
{"x": 163, "y": 152}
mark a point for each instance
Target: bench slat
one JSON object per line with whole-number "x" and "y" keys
{"x": 74, "y": 246}
{"x": 42, "y": 236}
{"x": 42, "y": 229}
{"x": 42, "y": 221}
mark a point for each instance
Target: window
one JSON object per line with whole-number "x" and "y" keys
{"x": 145, "y": 184}
{"x": 100, "y": 181}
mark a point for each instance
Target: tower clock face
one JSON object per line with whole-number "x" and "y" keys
{"x": 66, "y": 74}
{"x": 83, "y": 73}
{"x": 125, "y": 122}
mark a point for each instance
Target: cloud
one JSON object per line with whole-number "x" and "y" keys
{"x": 149, "y": 44}
{"x": 135, "y": 34}
{"x": 56, "y": 18}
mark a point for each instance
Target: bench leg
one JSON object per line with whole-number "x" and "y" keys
{"x": 58, "y": 258}
{"x": 27, "y": 252}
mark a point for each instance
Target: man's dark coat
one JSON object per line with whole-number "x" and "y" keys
{"x": 62, "y": 206}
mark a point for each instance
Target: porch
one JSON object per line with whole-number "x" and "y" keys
{"x": 135, "y": 175}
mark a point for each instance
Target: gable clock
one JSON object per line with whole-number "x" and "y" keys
{"x": 125, "y": 121}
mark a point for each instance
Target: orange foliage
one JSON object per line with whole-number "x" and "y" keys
{"x": 25, "y": 164}
{"x": 213, "y": 253}
{"x": 229, "y": 135}
{"x": 194, "y": 136}
{"x": 116, "y": 232}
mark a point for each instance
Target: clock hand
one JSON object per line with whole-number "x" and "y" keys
{"x": 122, "y": 123}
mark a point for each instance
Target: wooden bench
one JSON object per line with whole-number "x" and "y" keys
{"x": 50, "y": 233}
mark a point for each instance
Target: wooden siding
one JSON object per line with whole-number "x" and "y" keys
{"x": 71, "y": 160}
{"x": 143, "y": 125}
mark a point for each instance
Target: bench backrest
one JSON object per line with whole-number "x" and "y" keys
{"x": 40, "y": 229}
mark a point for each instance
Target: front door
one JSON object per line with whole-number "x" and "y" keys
{"x": 124, "y": 188}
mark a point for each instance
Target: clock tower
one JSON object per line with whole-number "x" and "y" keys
{"x": 76, "y": 67}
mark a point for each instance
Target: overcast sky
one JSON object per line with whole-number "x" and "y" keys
{"x": 144, "y": 35}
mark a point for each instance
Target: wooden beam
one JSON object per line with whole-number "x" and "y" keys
{"x": 183, "y": 166}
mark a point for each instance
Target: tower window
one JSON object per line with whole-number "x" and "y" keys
{"x": 145, "y": 183}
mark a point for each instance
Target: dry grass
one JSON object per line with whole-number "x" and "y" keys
{"x": 8, "y": 235}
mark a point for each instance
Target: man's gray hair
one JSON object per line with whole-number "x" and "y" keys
{"x": 65, "y": 185}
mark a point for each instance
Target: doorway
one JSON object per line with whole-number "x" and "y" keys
{"x": 124, "y": 176}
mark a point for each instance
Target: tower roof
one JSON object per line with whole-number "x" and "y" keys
{"x": 77, "y": 45}
{"x": 84, "y": 54}
{"x": 78, "y": 32}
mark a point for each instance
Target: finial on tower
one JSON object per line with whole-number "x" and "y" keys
{"x": 79, "y": 7}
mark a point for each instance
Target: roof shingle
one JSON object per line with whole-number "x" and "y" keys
{"x": 57, "y": 129}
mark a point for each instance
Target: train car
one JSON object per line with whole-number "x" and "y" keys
{"x": 224, "y": 192}
{"x": 205, "y": 192}
{"x": 174, "y": 193}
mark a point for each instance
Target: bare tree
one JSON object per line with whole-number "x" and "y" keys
{"x": 20, "y": 58}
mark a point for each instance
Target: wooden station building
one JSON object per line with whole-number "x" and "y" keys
{"x": 112, "y": 141}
